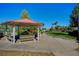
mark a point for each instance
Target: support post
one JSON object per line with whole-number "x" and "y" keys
{"x": 18, "y": 31}
{"x": 38, "y": 33}
{"x": 13, "y": 35}
{"x": 6, "y": 31}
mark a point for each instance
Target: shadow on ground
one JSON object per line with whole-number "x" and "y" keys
{"x": 77, "y": 49}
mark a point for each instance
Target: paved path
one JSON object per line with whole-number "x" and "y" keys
{"x": 58, "y": 46}
{"x": 62, "y": 47}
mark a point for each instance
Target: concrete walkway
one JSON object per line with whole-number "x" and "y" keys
{"x": 58, "y": 46}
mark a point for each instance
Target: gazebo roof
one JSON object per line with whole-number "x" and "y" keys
{"x": 23, "y": 21}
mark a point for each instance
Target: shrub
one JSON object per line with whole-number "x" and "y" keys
{"x": 25, "y": 33}
{"x": 73, "y": 33}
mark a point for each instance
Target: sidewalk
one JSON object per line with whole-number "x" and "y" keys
{"x": 62, "y": 47}
{"x": 56, "y": 46}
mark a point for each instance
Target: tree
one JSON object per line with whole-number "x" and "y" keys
{"x": 74, "y": 22}
{"x": 74, "y": 17}
{"x": 55, "y": 23}
{"x": 24, "y": 14}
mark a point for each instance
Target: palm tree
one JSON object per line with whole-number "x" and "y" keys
{"x": 55, "y": 23}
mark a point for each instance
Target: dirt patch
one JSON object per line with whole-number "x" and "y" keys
{"x": 20, "y": 53}
{"x": 77, "y": 49}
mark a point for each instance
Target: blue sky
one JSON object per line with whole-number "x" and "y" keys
{"x": 45, "y": 13}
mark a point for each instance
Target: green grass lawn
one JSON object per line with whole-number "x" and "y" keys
{"x": 61, "y": 35}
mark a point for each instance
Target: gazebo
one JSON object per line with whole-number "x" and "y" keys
{"x": 21, "y": 23}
